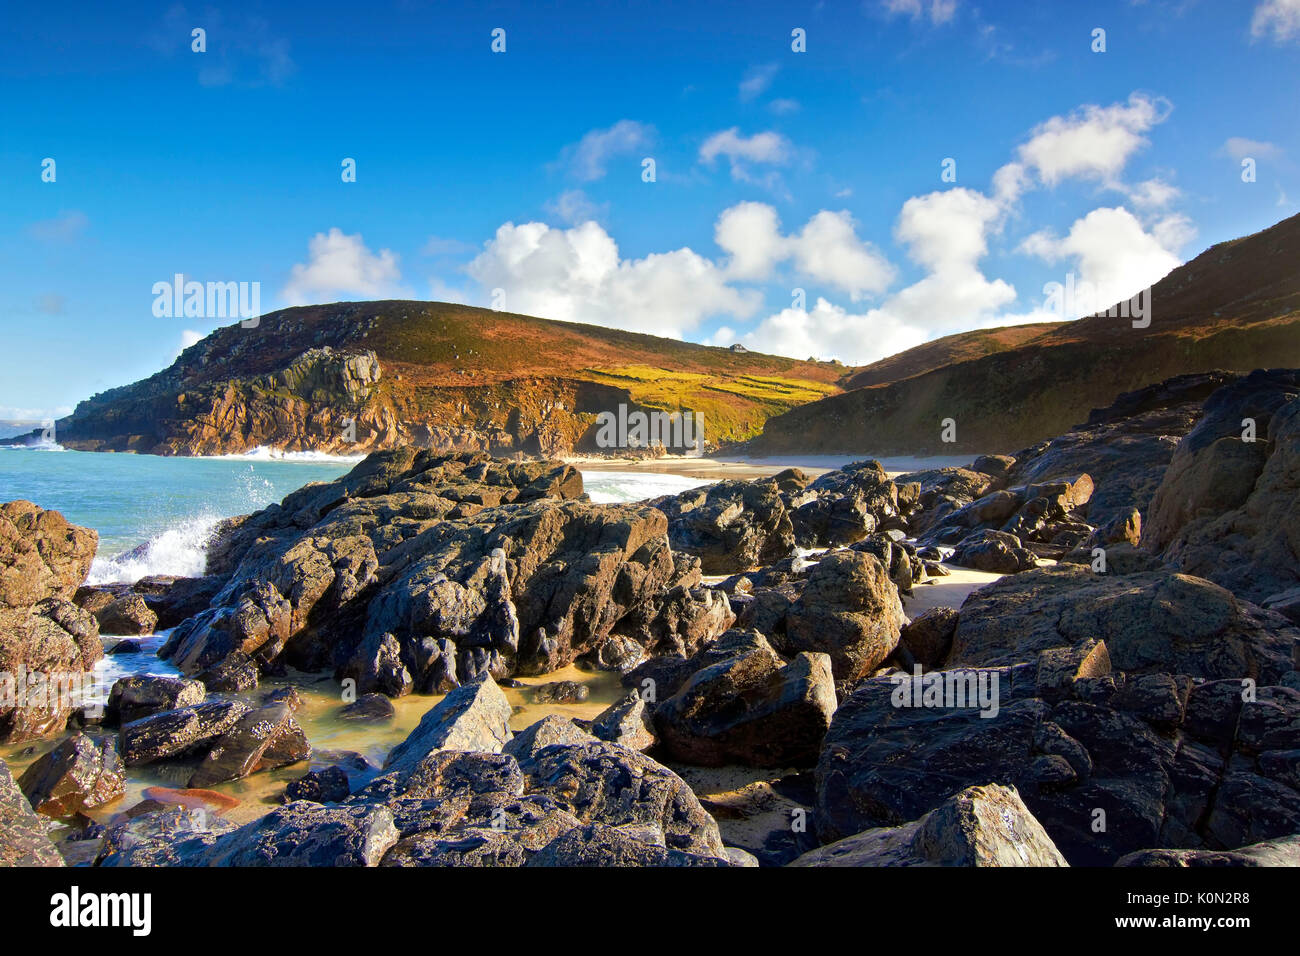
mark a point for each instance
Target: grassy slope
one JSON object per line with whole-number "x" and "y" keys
{"x": 1236, "y": 306}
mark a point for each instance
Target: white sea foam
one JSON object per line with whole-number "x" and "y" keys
{"x": 613, "y": 487}
{"x": 266, "y": 453}
{"x": 180, "y": 550}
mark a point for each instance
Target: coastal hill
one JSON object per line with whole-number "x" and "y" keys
{"x": 356, "y": 376}
{"x": 1235, "y": 307}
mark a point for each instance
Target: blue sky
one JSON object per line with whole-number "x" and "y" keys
{"x": 522, "y": 171}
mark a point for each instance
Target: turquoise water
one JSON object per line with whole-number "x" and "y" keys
{"x": 156, "y": 515}
{"x": 169, "y": 505}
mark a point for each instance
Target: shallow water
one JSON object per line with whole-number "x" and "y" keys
{"x": 328, "y": 733}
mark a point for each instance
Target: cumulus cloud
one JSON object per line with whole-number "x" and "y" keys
{"x": 588, "y": 159}
{"x": 578, "y": 275}
{"x": 1111, "y": 251}
{"x": 341, "y": 265}
{"x": 1093, "y": 142}
{"x": 826, "y": 249}
{"x": 1279, "y": 18}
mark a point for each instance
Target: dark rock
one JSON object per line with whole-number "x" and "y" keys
{"x": 599, "y": 845}
{"x": 330, "y": 785}
{"x": 850, "y": 610}
{"x": 79, "y": 774}
{"x": 128, "y": 614}
{"x": 729, "y": 525}
{"x": 26, "y": 841}
{"x": 993, "y": 551}
{"x": 178, "y": 733}
{"x": 929, "y": 638}
{"x": 375, "y": 707}
{"x": 161, "y": 836}
{"x": 303, "y": 833}
{"x": 135, "y": 697}
{"x": 42, "y": 555}
{"x": 473, "y": 717}
{"x": 980, "y": 826}
{"x": 561, "y": 692}
{"x": 261, "y": 739}
{"x": 750, "y": 707}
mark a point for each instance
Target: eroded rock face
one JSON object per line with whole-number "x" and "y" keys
{"x": 79, "y": 774}
{"x": 419, "y": 572}
{"x": 1150, "y": 621}
{"x": 26, "y": 842}
{"x": 178, "y": 733}
{"x": 303, "y": 833}
{"x": 1226, "y": 507}
{"x": 474, "y": 717}
{"x": 46, "y": 652}
{"x": 1169, "y": 761}
{"x": 980, "y": 826}
{"x": 994, "y": 551}
{"x": 730, "y": 525}
{"x": 141, "y": 696}
{"x": 261, "y": 739}
{"x": 1281, "y": 852}
{"x": 843, "y": 506}
{"x": 750, "y": 707}
{"x": 850, "y": 610}
{"x": 42, "y": 555}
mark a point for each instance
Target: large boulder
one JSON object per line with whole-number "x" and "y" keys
{"x": 600, "y": 782}
{"x": 980, "y": 826}
{"x": 1284, "y": 851}
{"x": 1150, "y": 621}
{"x": 474, "y": 717}
{"x": 997, "y": 552}
{"x": 1226, "y": 507}
{"x": 26, "y": 842}
{"x": 46, "y": 655}
{"x": 729, "y": 525}
{"x": 166, "y": 836}
{"x": 850, "y": 610}
{"x": 80, "y": 774}
{"x": 262, "y": 739}
{"x": 750, "y": 708}
{"x": 179, "y": 733}
{"x": 42, "y": 555}
{"x": 303, "y": 833}
{"x": 142, "y": 695}
{"x": 1109, "y": 763}
{"x": 843, "y": 506}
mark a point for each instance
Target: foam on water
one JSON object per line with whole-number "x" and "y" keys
{"x": 616, "y": 487}
{"x": 263, "y": 453}
{"x": 180, "y": 550}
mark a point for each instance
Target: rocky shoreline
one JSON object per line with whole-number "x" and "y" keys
{"x": 1126, "y": 693}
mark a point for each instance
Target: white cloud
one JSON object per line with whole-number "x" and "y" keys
{"x": 1112, "y": 252}
{"x": 757, "y": 81}
{"x": 587, "y": 160}
{"x": 1093, "y": 142}
{"x": 767, "y": 147}
{"x": 190, "y": 337}
{"x": 783, "y": 106}
{"x": 1281, "y": 18}
{"x": 1154, "y": 193}
{"x": 341, "y": 265}
{"x": 938, "y": 11}
{"x": 826, "y": 249}
{"x": 1239, "y": 147}
{"x": 829, "y": 331}
{"x": 578, "y": 275}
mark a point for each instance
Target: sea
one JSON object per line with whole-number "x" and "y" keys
{"x": 156, "y": 515}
